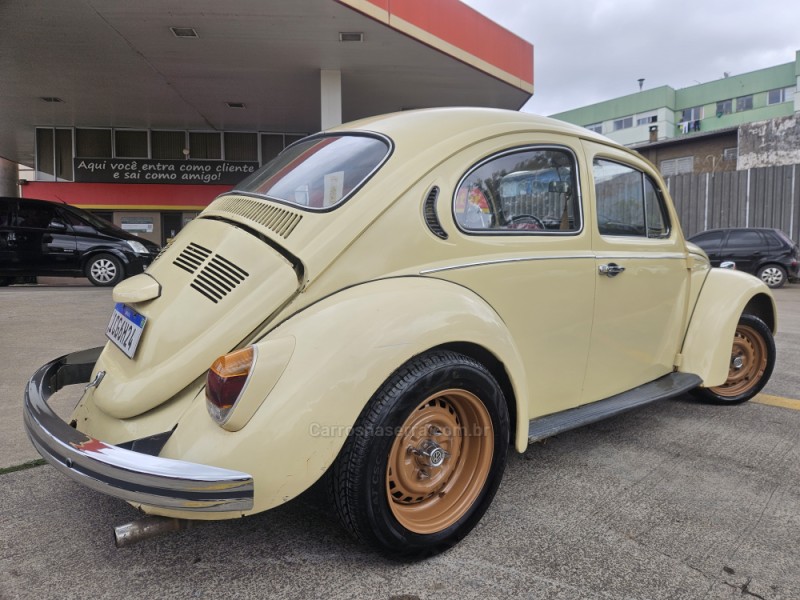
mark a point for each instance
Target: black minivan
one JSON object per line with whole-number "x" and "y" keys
{"x": 42, "y": 238}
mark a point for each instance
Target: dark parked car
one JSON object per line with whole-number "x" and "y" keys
{"x": 768, "y": 254}
{"x": 41, "y": 238}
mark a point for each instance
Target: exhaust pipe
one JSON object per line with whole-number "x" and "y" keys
{"x": 147, "y": 527}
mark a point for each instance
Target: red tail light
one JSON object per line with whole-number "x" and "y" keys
{"x": 226, "y": 380}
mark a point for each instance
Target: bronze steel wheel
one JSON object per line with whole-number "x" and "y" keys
{"x": 425, "y": 456}
{"x": 439, "y": 461}
{"x": 752, "y": 361}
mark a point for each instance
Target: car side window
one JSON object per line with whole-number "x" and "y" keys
{"x": 744, "y": 239}
{"x": 5, "y": 214}
{"x": 34, "y": 216}
{"x": 532, "y": 190}
{"x": 628, "y": 202}
{"x": 710, "y": 240}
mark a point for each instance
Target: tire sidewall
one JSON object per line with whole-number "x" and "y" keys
{"x": 389, "y": 533}
{"x": 764, "y": 331}
{"x": 117, "y": 263}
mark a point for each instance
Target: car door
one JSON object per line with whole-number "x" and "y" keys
{"x": 745, "y": 247}
{"x": 45, "y": 243}
{"x": 641, "y": 276}
{"x": 7, "y": 237}
{"x": 519, "y": 216}
{"x": 711, "y": 243}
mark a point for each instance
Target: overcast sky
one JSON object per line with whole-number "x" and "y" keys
{"x": 587, "y": 51}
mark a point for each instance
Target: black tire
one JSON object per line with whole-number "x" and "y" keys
{"x": 400, "y": 433}
{"x": 774, "y": 276}
{"x": 754, "y": 345}
{"x": 104, "y": 270}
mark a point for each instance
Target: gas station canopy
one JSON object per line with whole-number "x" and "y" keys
{"x": 249, "y": 65}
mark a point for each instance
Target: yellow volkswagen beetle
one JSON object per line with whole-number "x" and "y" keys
{"x": 392, "y": 304}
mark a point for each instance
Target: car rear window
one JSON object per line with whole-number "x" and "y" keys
{"x": 319, "y": 173}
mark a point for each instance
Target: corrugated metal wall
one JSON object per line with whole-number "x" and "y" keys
{"x": 765, "y": 197}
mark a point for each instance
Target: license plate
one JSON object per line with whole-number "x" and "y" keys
{"x": 125, "y": 328}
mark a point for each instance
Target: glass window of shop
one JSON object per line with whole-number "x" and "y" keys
{"x": 130, "y": 143}
{"x": 53, "y": 154}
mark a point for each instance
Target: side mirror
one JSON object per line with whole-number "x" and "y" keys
{"x": 728, "y": 264}
{"x": 57, "y": 226}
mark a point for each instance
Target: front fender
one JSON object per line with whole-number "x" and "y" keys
{"x": 725, "y": 295}
{"x": 343, "y": 349}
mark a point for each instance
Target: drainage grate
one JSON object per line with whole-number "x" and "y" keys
{"x": 218, "y": 278}
{"x": 192, "y": 257}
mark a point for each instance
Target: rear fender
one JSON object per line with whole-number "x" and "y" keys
{"x": 328, "y": 362}
{"x": 724, "y": 297}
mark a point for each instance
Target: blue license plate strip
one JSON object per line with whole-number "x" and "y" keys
{"x": 125, "y": 328}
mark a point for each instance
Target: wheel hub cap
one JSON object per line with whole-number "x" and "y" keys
{"x": 430, "y": 454}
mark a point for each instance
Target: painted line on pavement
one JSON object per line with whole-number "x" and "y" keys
{"x": 777, "y": 401}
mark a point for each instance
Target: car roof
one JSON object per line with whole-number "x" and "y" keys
{"x": 15, "y": 198}
{"x": 736, "y": 229}
{"x": 425, "y": 127}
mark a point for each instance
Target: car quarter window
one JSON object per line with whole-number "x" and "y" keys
{"x": 524, "y": 191}
{"x": 628, "y": 202}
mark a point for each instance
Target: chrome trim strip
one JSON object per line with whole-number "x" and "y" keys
{"x": 501, "y": 261}
{"x": 653, "y": 256}
{"x": 132, "y": 476}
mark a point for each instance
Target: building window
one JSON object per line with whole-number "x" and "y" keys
{"x": 623, "y": 123}
{"x": 646, "y": 119}
{"x": 780, "y": 95}
{"x": 724, "y": 107}
{"x": 53, "y": 154}
{"x": 744, "y": 103}
{"x": 596, "y": 127}
{"x": 130, "y": 144}
{"x": 692, "y": 114}
{"x": 677, "y": 166}
{"x": 167, "y": 144}
{"x": 93, "y": 143}
{"x": 205, "y": 145}
{"x": 241, "y": 146}
{"x": 273, "y": 144}
{"x": 730, "y": 154}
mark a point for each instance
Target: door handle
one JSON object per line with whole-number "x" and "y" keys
{"x": 611, "y": 269}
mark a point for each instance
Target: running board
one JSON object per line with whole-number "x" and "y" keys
{"x": 665, "y": 387}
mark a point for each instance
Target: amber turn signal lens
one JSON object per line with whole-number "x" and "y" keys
{"x": 226, "y": 380}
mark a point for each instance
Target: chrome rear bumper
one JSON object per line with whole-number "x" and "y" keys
{"x": 132, "y": 476}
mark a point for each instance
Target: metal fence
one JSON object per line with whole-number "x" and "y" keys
{"x": 764, "y": 197}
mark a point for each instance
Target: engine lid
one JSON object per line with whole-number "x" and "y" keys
{"x": 218, "y": 283}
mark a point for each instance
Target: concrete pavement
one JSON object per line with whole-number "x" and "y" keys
{"x": 677, "y": 500}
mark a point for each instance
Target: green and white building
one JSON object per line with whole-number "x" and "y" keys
{"x": 665, "y": 122}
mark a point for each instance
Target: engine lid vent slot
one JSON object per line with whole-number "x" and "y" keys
{"x": 218, "y": 278}
{"x": 275, "y": 218}
{"x": 192, "y": 257}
